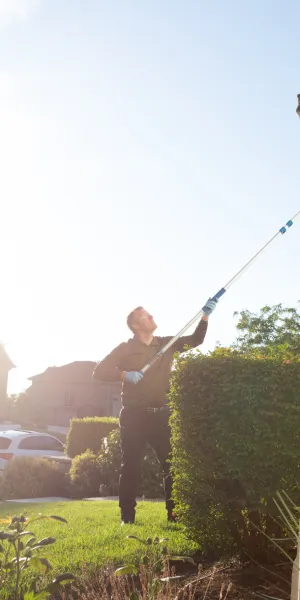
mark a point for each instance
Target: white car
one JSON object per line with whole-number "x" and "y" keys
{"x": 14, "y": 443}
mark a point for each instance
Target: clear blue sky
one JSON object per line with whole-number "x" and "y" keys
{"x": 147, "y": 149}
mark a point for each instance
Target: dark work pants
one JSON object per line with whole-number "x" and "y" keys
{"x": 137, "y": 428}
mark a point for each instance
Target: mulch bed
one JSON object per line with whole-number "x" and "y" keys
{"x": 238, "y": 580}
{"x": 231, "y": 580}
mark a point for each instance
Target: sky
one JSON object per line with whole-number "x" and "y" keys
{"x": 147, "y": 150}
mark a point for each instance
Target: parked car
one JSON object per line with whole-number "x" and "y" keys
{"x": 31, "y": 443}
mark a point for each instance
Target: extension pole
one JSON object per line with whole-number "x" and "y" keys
{"x": 219, "y": 294}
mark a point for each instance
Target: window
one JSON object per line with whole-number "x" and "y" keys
{"x": 69, "y": 399}
{"x": 43, "y": 443}
{"x": 4, "y": 443}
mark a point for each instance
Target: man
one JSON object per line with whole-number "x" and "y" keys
{"x": 144, "y": 415}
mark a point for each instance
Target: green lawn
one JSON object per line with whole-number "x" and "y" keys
{"x": 93, "y": 536}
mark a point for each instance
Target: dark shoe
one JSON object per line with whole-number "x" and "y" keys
{"x": 127, "y": 517}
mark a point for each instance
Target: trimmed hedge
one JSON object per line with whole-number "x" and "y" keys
{"x": 235, "y": 443}
{"x": 28, "y": 477}
{"x": 87, "y": 434}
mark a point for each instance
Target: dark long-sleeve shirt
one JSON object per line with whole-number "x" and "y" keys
{"x": 134, "y": 354}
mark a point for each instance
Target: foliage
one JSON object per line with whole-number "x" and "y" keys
{"x": 85, "y": 474}
{"x": 28, "y": 477}
{"x": 235, "y": 439}
{"x": 15, "y": 407}
{"x": 94, "y": 539}
{"x": 287, "y": 547}
{"x": 273, "y": 327}
{"x": 89, "y": 471}
{"x": 20, "y": 551}
{"x": 154, "y": 569}
{"x": 110, "y": 463}
{"x": 288, "y": 514}
{"x": 87, "y": 434}
{"x": 151, "y": 482}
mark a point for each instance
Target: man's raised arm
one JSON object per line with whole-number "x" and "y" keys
{"x": 195, "y": 339}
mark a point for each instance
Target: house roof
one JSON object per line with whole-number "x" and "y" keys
{"x": 74, "y": 371}
{"x": 4, "y": 358}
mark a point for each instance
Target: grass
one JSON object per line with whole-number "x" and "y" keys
{"x": 92, "y": 544}
{"x": 93, "y": 536}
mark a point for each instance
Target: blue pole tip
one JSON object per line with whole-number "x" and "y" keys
{"x": 289, "y": 223}
{"x": 282, "y": 230}
{"x": 219, "y": 294}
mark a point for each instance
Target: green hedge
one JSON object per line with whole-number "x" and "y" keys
{"x": 28, "y": 477}
{"x": 236, "y": 442}
{"x": 87, "y": 434}
{"x": 90, "y": 470}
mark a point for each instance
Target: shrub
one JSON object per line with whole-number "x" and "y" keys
{"x": 21, "y": 551}
{"x": 85, "y": 474}
{"x": 26, "y": 477}
{"x": 89, "y": 471}
{"x": 235, "y": 442}
{"x": 151, "y": 482}
{"x": 87, "y": 434}
{"x": 110, "y": 463}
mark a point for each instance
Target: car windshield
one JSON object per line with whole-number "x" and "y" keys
{"x": 43, "y": 443}
{"x": 4, "y": 443}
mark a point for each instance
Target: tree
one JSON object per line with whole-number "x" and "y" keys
{"x": 272, "y": 330}
{"x": 18, "y": 407}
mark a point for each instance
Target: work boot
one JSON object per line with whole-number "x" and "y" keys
{"x": 127, "y": 523}
{"x": 127, "y": 518}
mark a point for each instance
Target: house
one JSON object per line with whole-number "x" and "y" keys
{"x": 62, "y": 393}
{"x": 5, "y": 366}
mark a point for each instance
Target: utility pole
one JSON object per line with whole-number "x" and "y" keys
{"x": 298, "y": 107}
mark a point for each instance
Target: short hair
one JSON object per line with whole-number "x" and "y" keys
{"x": 130, "y": 318}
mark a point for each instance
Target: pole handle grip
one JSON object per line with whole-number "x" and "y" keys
{"x": 219, "y": 294}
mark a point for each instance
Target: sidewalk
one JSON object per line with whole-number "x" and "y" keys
{"x": 116, "y": 498}
{"x": 37, "y": 500}
{"x": 58, "y": 499}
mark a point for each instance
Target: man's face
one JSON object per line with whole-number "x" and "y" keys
{"x": 144, "y": 322}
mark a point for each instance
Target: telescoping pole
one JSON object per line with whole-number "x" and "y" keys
{"x": 220, "y": 293}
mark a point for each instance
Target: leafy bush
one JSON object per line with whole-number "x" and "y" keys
{"x": 274, "y": 329}
{"x": 110, "y": 463}
{"x": 87, "y": 434}
{"x": 151, "y": 482}
{"x": 85, "y": 474}
{"x": 154, "y": 571}
{"x": 26, "y": 477}
{"x": 22, "y": 551}
{"x": 89, "y": 471}
{"x": 235, "y": 440}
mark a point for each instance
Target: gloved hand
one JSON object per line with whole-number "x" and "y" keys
{"x": 209, "y": 307}
{"x": 133, "y": 377}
